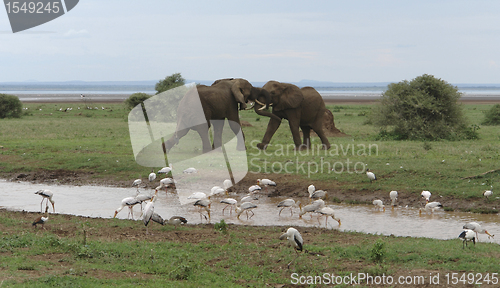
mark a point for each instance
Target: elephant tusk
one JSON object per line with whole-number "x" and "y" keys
{"x": 260, "y": 103}
{"x": 262, "y": 108}
{"x": 250, "y": 106}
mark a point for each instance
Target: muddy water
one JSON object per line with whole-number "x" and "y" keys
{"x": 98, "y": 201}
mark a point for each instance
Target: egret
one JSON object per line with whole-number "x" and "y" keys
{"x": 487, "y": 193}
{"x": 247, "y": 206}
{"x": 266, "y": 182}
{"x": 248, "y": 198}
{"x": 328, "y": 211}
{"x": 230, "y": 202}
{"x": 42, "y": 219}
{"x": 254, "y": 189}
{"x": 46, "y": 195}
{"x": 394, "y": 197}
{"x": 426, "y": 195}
{"x": 127, "y": 202}
{"x": 370, "y": 175}
{"x": 317, "y": 204}
{"x": 148, "y": 213}
{"x": 379, "y": 204}
{"x": 190, "y": 170}
{"x": 476, "y": 227}
{"x": 467, "y": 235}
{"x": 431, "y": 206}
{"x": 137, "y": 182}
{"x": 289, "y": 203}
{"x": 176, "y": 220}
{"x": 227, "y": 184}
{"x": 203, "y": 204}
{"x": 295, "y": 239}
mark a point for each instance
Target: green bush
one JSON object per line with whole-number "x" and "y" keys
{"x": 136, "y": 99}
{"x": 425, "y": 108}
{"x": 10, "y": 106}
{"x": 492, "y": 116}
{"x": 378, "y": 251}
{"x": 172, "y": 81}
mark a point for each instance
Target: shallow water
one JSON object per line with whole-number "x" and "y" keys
{"x": 98, "y": 201}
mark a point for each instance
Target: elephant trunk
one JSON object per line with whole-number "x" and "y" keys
{"x": 258, "y": 109}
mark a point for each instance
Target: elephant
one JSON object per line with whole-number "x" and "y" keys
{"x": 303, "y": 107}
{"x": 219, "y": 101}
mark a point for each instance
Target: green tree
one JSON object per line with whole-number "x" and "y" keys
{"x": 425, "y": 108}
{"x": 492, "y": 116}
{"x": 10, "y": 106}
{"x": 136, "y": 99}
{"x": 172, "y": 81}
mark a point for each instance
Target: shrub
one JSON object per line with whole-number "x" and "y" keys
{"x": 10, "y": 106}
{"x": 378, "y": 251}
{"x": 492, "y": 116}
{"x": 136, "y": 99}
{"x": 172, "y": 81}
{"x": 425, "y": 108}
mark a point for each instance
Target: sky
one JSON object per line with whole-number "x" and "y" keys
{"x": 288, "y": 41}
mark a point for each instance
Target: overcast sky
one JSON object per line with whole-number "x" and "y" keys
{"x": 338, "y": 41}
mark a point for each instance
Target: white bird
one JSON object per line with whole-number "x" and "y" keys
{"x": 165, "y": 170}
{"x": 467, "y": 235}
{"x": 289, "y": 203}
{"x": 46, "y": 195}
{"x": 254, "y": 189}
{"x": 176, "y": 220}
{"x": 328, "y": 211}
{"x": 165, "y": 183}
{"x": 203, "y": 204}
{"x": 230, "y": 202}
{"x": 190, "y": 170}
{"x": 247, "y": 206}
{"x": 148, "y": 213}
{"x": 152, "y": 176}
{"x": 129, "y": 202}
{"x": 197, "y": 196}
{"x": 227, "y": 184}
{"x": 487, "y": 193}
{"x": 476, "y": 227}
{"x": 143, "y": 198}
{"x": 379, "y": 204}
{"x": 394, "y": 197}
{"x": 370, "y": 175}
{"x": 137, "y": 182}
{"x": 42, "y": 219}
{"x": 266, "y": 182}
{"x": 317, "y": 204}
{"x": 431, "y": 206}
{"x": 248, "y": 198}
{"x": 313, "y": 194}
{"x": 295, "y": 239}
{"x": 216, "y": 190}
{"x": 426, "y": 195}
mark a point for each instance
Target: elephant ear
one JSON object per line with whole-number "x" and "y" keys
{"x": 240, "y": 84}
{"x": 290, "y": 98}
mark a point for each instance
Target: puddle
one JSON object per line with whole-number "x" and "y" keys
{"x": 99, "y": 201}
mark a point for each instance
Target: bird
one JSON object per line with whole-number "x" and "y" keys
{"x": 157, "y": 218}
{"x": 467, "y": 235}
{"x": 148, "y": 213}
{"x": 247, "y": 206}
{"x": 379, "y": 204}
{"x": 129, "y": 202}
{"x": 230, "y": 202}
{"x": 254, "y": 189}
{"x": 143, "y": 198}
{"x": 227, "y": 184}
{"x": 394, "y": 197}
{"x": 137, "y": 183}
{"x": 165, "y": 170}
{"x": 289, "y": 203}
{"x": 216, "y": 190}
{"x": 295, "y": 239}
{"x": 46, "y": 195}
{"x": 426, "y": 195}
{"x": 313, "y": 194}
{"x": 152, "y": 176}
{"x": 476, "y": 227}
{"x": 431, "y": 206}
{"x": 42, "y": 219}
{"x": 203, "y": 204}
{"x": 370, "y": 175}
{"x": 197, "y": 196}
{"x": 317, "y": 204}
{"x": 190, "y": 170}
{"x": 248, "y": 198}
{"x": 266, "y": 182}
{"x": 328, "y": 211}
{"x": 487, "y": 193}
{"x": 165, "y": 183}
{"x": 176, "y": 220}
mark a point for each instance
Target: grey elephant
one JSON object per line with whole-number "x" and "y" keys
{"x": 303, "y": 107}
{"x": 219, "y": 101}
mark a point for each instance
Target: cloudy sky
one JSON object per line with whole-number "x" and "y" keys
{"x": 338, "y": 41}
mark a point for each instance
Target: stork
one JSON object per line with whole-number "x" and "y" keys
{"x": 137, "y": 182}
{"x": 289, "y": 203}
{"x": 203, "y": 204}
{"x": 295, "y": 239}
{"x": 129, "y": 202}
{"x": 467, "y": 235}
{"x": 370, "y": 175}
{"x": 431, "y": 206}
{"x": 227, "y": 184}
{"x": 317, "y": 204}
{"x": 266, "y": 182}
{"x": 476, "y": 227}
{"x": 46, "y": 195}
{"x": 328, "y": 211}
{"x": 379, "y": 204}
{"x": 247, "y": 206}
{"x": 426, "y": 195}
{"x": 394, "y": 197}
{"x": 254, "y": 189}
{"x": 148, "y": 212}
{"x": 230, "y": 202}
{"x": 190, "y": 170}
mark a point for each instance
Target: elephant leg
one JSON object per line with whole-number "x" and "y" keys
{"x": 306, "y": 133}
{"x": 174, "y": 140}
{"x": 218, "y": 127}
{"x": 272, "y": 126}
{"x": 202, "y": 130}
{"x": 236, "y": 127}
{"x": 318, "y": 128}
{"x": 294, "y": 128}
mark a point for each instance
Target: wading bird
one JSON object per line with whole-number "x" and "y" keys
{"x": 203, "y": 204}
{"x": 426, "y": 195}
{"x": 311, "y": 208}
{"x": 467, "y": 235}
{"x": 328, "y": 211}
{"x": 266, "y": 182}
{"x": 254, "y": 189}
{"x": 152, "y": 176}
{"x": 165, "y": 170}
{"x": 176, "y": 220}
{"x": 157, "y": 218}
{"x": 42, "y": 219}
{"x": 289, "y": 203}
{"x": 197, "y": 196}
{"x": 248, "y": 198}
{"x": 370, "y": 175}
{"x": 487, "y": 193}
{"x": 247, "y": 206}
{"x": 394, "y": 197}
{"x": 476, "y": 227}
{"x": 431, "y": 206}
{"x": 379, "y": 204}
{"x": 230, "y": 202}
{"x": 143, "y": 198}
{"x": 127, "y": 202}
{"x": 313, "y": 194}
{"x": 46, "y": 195}
{"x": 227, "y": 184}
{"x": 216, "y": 190}
{"x": 137, "y": 183}
{"x": 166, "y": 183}
{"x": 148, "y": 213}
{"x": 190, "y": 170}
{"x": 295, "y": 239}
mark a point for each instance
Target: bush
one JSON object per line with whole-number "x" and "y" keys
{"x": 10, "y": 106}
{"x": 136, "y": 99}
{"x": 425, "y": 108}
{"x": 492, "y": 116}
{"x": 172, "y": 81}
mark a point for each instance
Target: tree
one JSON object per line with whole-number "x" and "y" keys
{"x": 425, "y": 108}
{"x": 136, "y": 99}
{"x": 10, "y": 106}
{"x": 492, "y": 116}
{"x": 172, "y": 81}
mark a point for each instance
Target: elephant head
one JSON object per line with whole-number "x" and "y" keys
{"x": 262, "y": 101}
{"x": 283, "y": 95}
{"x": 241, "y": 89}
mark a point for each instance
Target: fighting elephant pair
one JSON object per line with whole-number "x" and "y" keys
{"x": 303, "y": 108}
